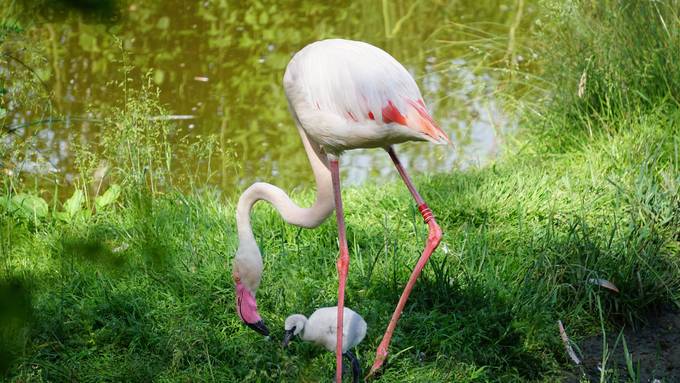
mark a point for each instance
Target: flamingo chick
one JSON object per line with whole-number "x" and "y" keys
{"x": 321, "y": 328}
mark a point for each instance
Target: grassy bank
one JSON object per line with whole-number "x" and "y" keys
{"x": 136, "y": 285}
{"x": 141, "y": 289}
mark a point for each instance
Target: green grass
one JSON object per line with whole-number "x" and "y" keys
{"x": 139, "y": 289}
{"x": 521, "y": 240}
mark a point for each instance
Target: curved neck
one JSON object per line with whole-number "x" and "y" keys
{"x": 292, "y": 213}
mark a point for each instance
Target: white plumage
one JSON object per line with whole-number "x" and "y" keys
{"x": 363, "y": 78}
{"x": 321, "y": 328}
{"x": 350, "y": 94}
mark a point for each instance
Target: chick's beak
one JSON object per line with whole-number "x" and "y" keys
{"x": 287, "y": 336}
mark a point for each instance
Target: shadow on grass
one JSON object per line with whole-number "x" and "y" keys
{"x": 458, "y": 319}
{"x": 16, "y": 316}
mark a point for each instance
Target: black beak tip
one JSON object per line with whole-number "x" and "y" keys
{"x": 287, "y": 337}
{"x": 259, "y": 327}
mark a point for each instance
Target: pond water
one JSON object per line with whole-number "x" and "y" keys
{"x": 218, "y": 65}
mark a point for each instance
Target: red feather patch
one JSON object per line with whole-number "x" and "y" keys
{"x": 390, "y": 113}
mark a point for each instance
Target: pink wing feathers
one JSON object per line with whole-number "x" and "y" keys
{"x": 360, "y": 82}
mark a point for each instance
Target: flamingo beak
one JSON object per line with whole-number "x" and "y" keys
{"x": 287, "y": 336}
{"x": 423, "y": 121}
{"x": 259, "y": 327}
{"x": 246, "y": 307}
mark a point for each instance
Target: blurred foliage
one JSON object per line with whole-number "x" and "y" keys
{"x": 98, "y": 11}
{"x": 16, "y": 314}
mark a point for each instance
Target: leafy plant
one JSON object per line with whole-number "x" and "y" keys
{"x": 25, "y": 205}
{"x": 109, "y": 197}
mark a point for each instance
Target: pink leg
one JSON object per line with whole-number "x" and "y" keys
{"x": 343, "y": 263}
{"x": 433, "y": 239}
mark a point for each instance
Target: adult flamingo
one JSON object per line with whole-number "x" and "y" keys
{"x": 343, "y": 95}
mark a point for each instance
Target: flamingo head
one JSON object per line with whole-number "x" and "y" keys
{"x": 247, "y": 272}
{"x": 293, "y": 326}
{"x": 246, "y": 307}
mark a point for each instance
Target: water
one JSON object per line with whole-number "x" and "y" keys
{"x": 219, "y": 64}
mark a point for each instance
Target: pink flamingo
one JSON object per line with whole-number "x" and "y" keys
{"x": 343, "y": 95}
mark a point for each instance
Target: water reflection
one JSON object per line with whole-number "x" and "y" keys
{"x": 219, "y": 65}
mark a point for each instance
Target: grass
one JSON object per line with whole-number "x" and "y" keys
{"x": 522, "y": 239}
{"x": 137, "y": 287}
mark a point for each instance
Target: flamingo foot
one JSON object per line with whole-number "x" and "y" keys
{"x": 380, "y": 357}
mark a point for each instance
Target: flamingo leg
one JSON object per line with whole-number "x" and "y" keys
{"x": 433, "y": 239}
{"x": 342, "y": 264}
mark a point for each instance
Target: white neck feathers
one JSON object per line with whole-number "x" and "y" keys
{"x": 248, "y": 260}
